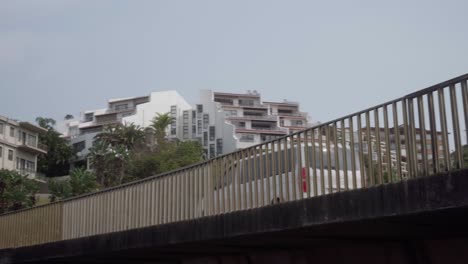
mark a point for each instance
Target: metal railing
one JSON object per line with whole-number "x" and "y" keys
{"x": 312, "y": 162}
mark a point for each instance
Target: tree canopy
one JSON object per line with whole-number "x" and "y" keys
{"x": 57, "y": 160}
{"x": 16, "y": 191}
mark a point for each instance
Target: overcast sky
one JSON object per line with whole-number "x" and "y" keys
{"x": 334, "y": 57}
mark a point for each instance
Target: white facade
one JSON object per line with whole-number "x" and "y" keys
{"x": 19, "y": 146}
{"x": 243, "y": 120}
{"x": 164, "y": 102}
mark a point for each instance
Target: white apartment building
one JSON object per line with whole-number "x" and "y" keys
{"x": 19, "y": 146}
{"x": 230, "y": 121}
{"x": 137, "y": 110}
{"x": 221, "y": 122}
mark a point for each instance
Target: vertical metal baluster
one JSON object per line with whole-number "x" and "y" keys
{"x": 422, "y": 126}
{"x": 412, "y": 131}
{"x": 222, "y": 186}
{"x": 361, "y": 153}
{"x": 245, "y": 176}
{"x": 300, "y": 166}
{"x": 274, "y": 170}
{"x": 336, "y": 151}
{"x": 238, "y": 180}
{"x": 456, "y": 128}
{"x": 369, "y": 150}
{"x": 287, "y": 169}
{"x": 314, "y": 164}
{"x": 396, "y": 130}
{"x": 229, "y": 180}
{"x": 377, "y": 143}
{"x": 443, "y": 125}
{"x": 320, "y": 152}
{"x": 406, "y": 130}
{"x": 387, "y": 144}
{"x": 292, "y": 165}
{"x": 352, "y": 150}
{"x": 268, "y": 173}
{"x": 307, "y": 161}
{"x": 464, "y": 88}
{"x": 251, "y": 177}
{"x": 255, "y": 176}
{"x": 328, "y": 150}
{"x": 432, "y": 123}
{"x": 262, "y": 175}
{"x": 345, "y": 158}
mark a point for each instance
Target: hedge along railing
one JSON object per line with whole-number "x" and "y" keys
{"x": 416, "y": 135}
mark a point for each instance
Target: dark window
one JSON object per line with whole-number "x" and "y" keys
{"x": 206, "y": 121}
{"x": 199, "y": 126}
{"x": 10, "y": 154}
{"x": 246, "y": 102}
{"x": 173, "y": 131}
{"x": 121, "y": 107}
{"x": 219, "y": 146}
{"x": 212, "y": 151}
{"x": 1, "y": 128}
{"x": 1, "y": 152}
{"x": 205, "y": 139}
{"x": 194, "y": 129}
{"x": 88, "y": 117}
{"x": 212, "y": 133}
{"x": 79, "y": 146}
{"x": 199, "y": 108}
{"x": 224, "y": 100}
{"x": 194, "y": 117}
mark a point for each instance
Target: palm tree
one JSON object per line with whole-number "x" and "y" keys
{"x": 160, "y": 123}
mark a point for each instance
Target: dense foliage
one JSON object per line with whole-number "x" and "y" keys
{"x": 59, "y": 153}
{"x": 80, "y": 182}
{"x": 16, "y": 191}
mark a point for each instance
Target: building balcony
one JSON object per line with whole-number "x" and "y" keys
{"x": 116, "y": 111}
{"x": 302, "y": 115}
{"x": 254, "y": 117}
{"x": 39, "y": 149}
{"x": 271, "y": 131}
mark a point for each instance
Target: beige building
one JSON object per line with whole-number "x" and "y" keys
{"x": 19, "y": 146}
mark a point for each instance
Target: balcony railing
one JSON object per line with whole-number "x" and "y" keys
{"x": 309, "y": 163}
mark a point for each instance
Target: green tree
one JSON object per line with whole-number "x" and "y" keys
{"x": 111, "y": 151}
{"x": 160, "y": 123}
{"x": 80, "y": 182}
{"x": 16, "y": 191}
{"x": 59, "y": 153}
{"x": 172, "y": 156}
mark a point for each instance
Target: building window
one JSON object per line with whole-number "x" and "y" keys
{"x": 185, "y": 132}
{"x": 1, "y": 128}
{"x": 247, "y": 138}
{"x": 194, "y": 117}
{"x": 205, "y": 139}
{"x": 212, "y": 133}
{"x": 12, "y": 131}
{"x": 206, "y": 121}
{"x": 173, "y": 131}
{"x": 89, "y": 117}
{"x": 212, "y": 151}
{"x": 10, "y": 154}
{"x": 121, "y": 107}
{"x": 199, "y": 126}
{"x": 199, "y": 108}
{"x": 79, "y": 146}
{"x": 1, "y": 152}
{"x": 219, "y": 146}
{"x": 241, "y": 124}
{"x": 246, "y": 102}
{"x": 194, "y": 129}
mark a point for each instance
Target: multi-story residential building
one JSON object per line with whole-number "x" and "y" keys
{"x": 221, "y": 122}
{"x": 137, "y": 110}
{"x": 20, "y": 147}
{"x": 230, "y": 121}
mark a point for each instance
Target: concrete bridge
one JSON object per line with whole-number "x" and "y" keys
{"x": 386, "y": 184}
